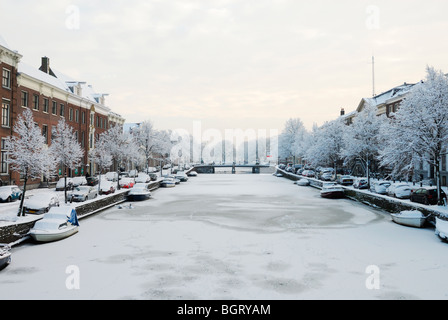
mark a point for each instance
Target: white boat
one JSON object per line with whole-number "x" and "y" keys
{"x": 139, "y": 192}
{"x": 59, "y": 223}
{"x": 442, "y": 229}
{"x": 5, "y": 257}
{"x": 332, "y": 191}
{"x": 168, "y": 183}
{"x": 414, "y": 219}
{"x": 303, "y": 182}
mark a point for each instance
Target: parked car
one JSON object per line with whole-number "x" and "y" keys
{"x": 92, "y": 181}
{"x": 41, "y": 203}
{"x": 112, "y": 176}
{"x": 84, "y": 193}
{"x": 345, "y": 180}
{"x": 400, "y": 190}
{"x": 61, "y": 186}
{"x": 79, "y": 181}
{"x": 126, "y": 183}
{"x": 10, "y": 193}
{"x": 308, "y": 173}
{"x": 142, "y": 178}
{"x": 427, "y": 195}
{"x": 361, "y": 183}
{"x": 181, "y": 176}
{"x": 380, "y": 187}
{"x": 107, "y": 187}
{"x": 326, "y": 175}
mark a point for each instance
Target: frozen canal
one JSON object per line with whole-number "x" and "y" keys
{"x": 234, "y": 237}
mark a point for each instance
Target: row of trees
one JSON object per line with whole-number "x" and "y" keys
{"x": 29, "y": 155}
{"x": 417, "y": 133}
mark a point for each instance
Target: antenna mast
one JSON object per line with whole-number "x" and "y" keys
{"x": 373, "y": 74}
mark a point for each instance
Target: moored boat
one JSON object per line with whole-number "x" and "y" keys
{"x": 442, "y": 229}
{"x": 59, "y": 223}
{"x": 303, "y": 182}
{"x": 414, "y": 218}
{"x": 332, "y": 191}
{"x": 5, "y": 257}
{"x": 139, "y": 192}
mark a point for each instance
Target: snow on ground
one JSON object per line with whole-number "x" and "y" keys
{"x": 233, "y": 237}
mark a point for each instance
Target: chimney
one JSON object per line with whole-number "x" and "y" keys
{"x": 342, "y": 112}
{"x": 45, "y": 67}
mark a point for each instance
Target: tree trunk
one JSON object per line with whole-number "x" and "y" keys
{"x": 21, "y": 213}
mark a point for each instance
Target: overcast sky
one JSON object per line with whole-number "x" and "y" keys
{"x": 231, "y": 63}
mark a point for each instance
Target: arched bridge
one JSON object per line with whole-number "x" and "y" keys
{"x": 210, "y": 168}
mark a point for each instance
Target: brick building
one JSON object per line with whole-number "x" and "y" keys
{"x": 51, "y": 95}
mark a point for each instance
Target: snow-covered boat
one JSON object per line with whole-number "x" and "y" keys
{"x": 5, "y": 257}
{"x": 414, "y": 218}
{"x": 442, "y": 229}
{"x": 59, "y": 223}
{"x": 139, "y": 192}
{"x": 332, "y": 191}
{"x": 303, "y": 182}
{"x": 168, "y": 183}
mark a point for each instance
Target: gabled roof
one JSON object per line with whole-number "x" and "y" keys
{"x": 385, "y": 97}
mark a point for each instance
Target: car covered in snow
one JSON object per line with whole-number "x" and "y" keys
{"x": 40, "y": 203}
{"x": 142, "y": 178}
{"x": 83, "y": 193}
{"x": 107, "y": 187}
{"x": 61, "y": 185}
{"x": 345, "y": 180}
{"x": 361, "y": 183}
{"x": 126, "y": 183}
{"x": 112, "y": 176}
{"x": 400, "y": 190}
{"x": 10, "y": 193}
{"x": 79, "y": 181}
{"x": 380, "y": 187}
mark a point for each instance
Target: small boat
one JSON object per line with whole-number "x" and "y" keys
{"x": 139, "y": 192}
{"x": 59, "y": 223}
{"x": 192, "y": 174}
{"x": 168, "y": 183}
{"x": 414, "y": 219}
{"x": 5, "y": 257}
{"x": 332, "y": 191}
{"x": 442, "y": 229}
{"x": 303, "y": 182}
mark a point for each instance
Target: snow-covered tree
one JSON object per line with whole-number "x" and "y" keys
{"x": 292, "y": 139}
{"x": 27, "y": 152}
{"x": 419, "y": 129}
{"x": 327, "y": 144}
{"x": 66, "y": 149}
{"x": 117, "y": 142}
{"x": 145, "y": 137}
{"x": 101, "y": 156}
{"x": 362, "y": 139}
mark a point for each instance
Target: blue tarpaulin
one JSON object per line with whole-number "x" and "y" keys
{"x": 73, "y": 218}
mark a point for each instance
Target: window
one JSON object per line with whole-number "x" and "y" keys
{"x": 45, "y": 133}
{"x": 46, "y": 105}
{"x": 35, "y": 102}
{"x": 24, "y": 99}
{"x": 91, "y": 141}
{"x": 6, "y": 79}
{"x": 54, "y": 108}
{"x": 62, "y": 111}
{"x": 5, "y": 114}
{"x": 83, "y": 117}
{"x": 77, "y": 116}
{"x": 4, "y": 158}
{"x": 70, "y": 114}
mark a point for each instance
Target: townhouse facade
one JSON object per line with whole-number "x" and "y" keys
{"x": 387, "y": 103}
{"x": 51, "y": 95}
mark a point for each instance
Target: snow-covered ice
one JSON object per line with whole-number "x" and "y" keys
{"x": 234, "y": 237}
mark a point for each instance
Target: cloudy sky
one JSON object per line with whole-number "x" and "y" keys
{"x": 231, "y": 63}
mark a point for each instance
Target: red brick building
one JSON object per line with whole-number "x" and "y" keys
{"x": 50, "y": 95}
